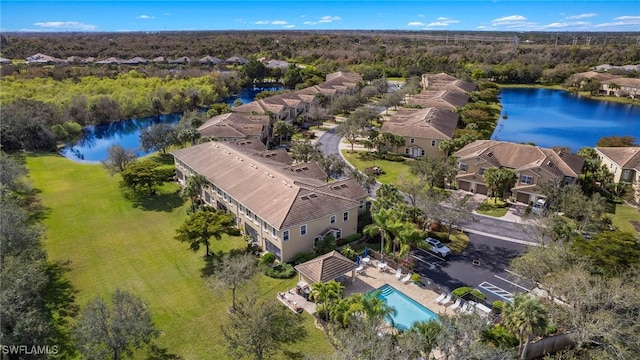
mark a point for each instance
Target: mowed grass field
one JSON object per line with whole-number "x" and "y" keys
{"x": 114, "y": 243}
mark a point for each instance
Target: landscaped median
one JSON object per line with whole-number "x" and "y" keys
{"x": 114, "y": 243}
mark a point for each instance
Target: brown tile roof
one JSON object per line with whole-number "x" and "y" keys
{"x": 429, "y": 123}
{"x": 440, "y": 99}
{"x": 267, "y": 187}
{"x": 594, "y": 75}
{"x": 631, "y": 82}
{"x": 234, "y": 125}
{"x": 327, "y": 267}
{"x": 626, "y": 157}
{"x": 444, "y": 81}
{"x": 522, "y": 157}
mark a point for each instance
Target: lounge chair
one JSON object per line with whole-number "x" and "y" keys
{"x": 440, "y": 298}
{"x": 406, "y": 279}
{"x": 455, "y": 304}
{"x": 360, "y": 269}
{"x": 398, "y": 273}
{"x": 446, "y": 300}
{"x": 464, "y": 308}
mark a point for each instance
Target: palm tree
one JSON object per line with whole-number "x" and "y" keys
{"x": 382, "y": 222}
{"x": 193, "y": 188}
{"x": 524, "y": 317}
{"x": 429, "y": 332}
{"x": 282, "y": 129}
{"x": 406, "y": 236}
{"x": 325, "y": 294}
{"x": 343, "y": 310}
{"x": 376, "y": 310}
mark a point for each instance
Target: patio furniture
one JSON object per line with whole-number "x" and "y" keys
{"x": 406, "y": 279}
{"x": 464, "y": 308}
{"x": 445, "y": 300}
{"x": 484, "y": 310}
{"x": 382, "y": 266}
{"x": 398, "y": 273}
{"x": 366, "y": 260}
{"x": 360, "y": 269}
{"x": 440, "y": 298}
{"x": 455, "y": 305}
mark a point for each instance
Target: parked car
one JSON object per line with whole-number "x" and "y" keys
{"x": 437, "y": 247}
{"x": 539, "y": 207}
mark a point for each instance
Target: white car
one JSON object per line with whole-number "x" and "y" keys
{"x": 437, "y": 247}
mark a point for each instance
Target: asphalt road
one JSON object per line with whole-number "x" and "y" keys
{"x": 492, "y": 257}
{"x": 330, "y": 142}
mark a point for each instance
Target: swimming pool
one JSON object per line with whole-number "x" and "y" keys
{"x": 408, "y": 310}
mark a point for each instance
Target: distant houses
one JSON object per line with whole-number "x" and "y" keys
{"x": 610, "y": 84}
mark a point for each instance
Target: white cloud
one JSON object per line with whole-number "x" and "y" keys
{"x": 279, "y": 22}
{"x": 633, "y": 19}
{"x": 416, "y": 23}
{"x": 573, "y": 24}
{"x": 581, "y": 16}
{"x": 166, "y": 14}
{"x": 509, "y": 20}
{"x": 443, "y": 21}
{"x": 328, "y": 19}
{"x": 421, "y": 15}
{"x": 262, "y": 22}
{"x": 290, "y": 26}
{"x": 66, "y": 25}
{"x": 621, "y": 22}
{"x": 145, "y": 17}
{"x": 310, "y": 23}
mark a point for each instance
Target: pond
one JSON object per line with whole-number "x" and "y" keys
{"x": 559, "y": 118}
{"x": 92, "y": 148}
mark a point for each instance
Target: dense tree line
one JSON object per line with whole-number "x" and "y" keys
{"x": 36, "y": 300}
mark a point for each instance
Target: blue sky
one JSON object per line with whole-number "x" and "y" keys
{"x": 480, "y": 15}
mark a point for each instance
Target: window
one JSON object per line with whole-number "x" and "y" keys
{"x": 433, "y": 143}
{"x": 463, "y": 166}
{"x": 273, "y": 232}
{"x": 225, "y": 197}
{"x": 241, "y": 208}
{"x": 482, "y": 170}
{"x": 285, "y": 235}
{"x": 248, "y": 213}
{"x": 219, "y": 192}
{"x": 406, "y": 151}
{"x": 338, "y": 234}
{"x": 265, "y": 226}
{"x": 423, "y": 153}
{"x": 361, "y": 204}
{"x": 303, "y": 230}
{"x": 412, "y": 141}
{"x": 332, "y": 219}
{"x": 207, "y": 198}
{"x": 525, "y": 179}
{"x": 345, "y": 216}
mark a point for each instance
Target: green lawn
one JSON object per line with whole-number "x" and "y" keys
{"x": 492, "y": 208}
{"x": 623, "y": 217}
{"x": 113, "y": 243}
{"x": 393, "y": 170}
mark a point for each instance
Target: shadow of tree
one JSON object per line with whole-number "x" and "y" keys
{"x": 59, "y": 297}
{"x": 211, "y": 262}
{"x": 158, "y": 353}
{"x": 159, "y": 201}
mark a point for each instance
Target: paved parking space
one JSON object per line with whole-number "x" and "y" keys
{"x": 482, "y": 265}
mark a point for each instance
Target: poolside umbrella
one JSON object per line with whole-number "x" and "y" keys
{"x": 366, "y": 251}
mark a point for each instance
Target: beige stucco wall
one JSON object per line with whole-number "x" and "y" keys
{"x": 423, "y": 144}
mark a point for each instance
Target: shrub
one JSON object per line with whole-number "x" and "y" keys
{"x": 393, "y": 157}
{"x": 499, "y": 337}
{"x": 497, "y": 306}
{"x": 416, "y": 278}
{"x": 280, "y": 271}
{"x": 303, "y": 257}
{"x": 328, "y": 243}
{"x": 463, "y": 290}
{"x": 268, "y": 259}
{"x": 348, "y": 252}
{"x": 235, "y": 232}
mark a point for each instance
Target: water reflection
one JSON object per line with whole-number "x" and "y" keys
{"x": 559, "y": 118}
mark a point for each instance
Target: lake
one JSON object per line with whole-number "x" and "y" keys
{"x": 559, "y": 118}
{"x": 92, "y": 148}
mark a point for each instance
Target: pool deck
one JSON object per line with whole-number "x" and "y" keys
{"x": 372, "y": 278}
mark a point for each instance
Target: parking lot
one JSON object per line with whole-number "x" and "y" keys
{"x": 482, "y": 266}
